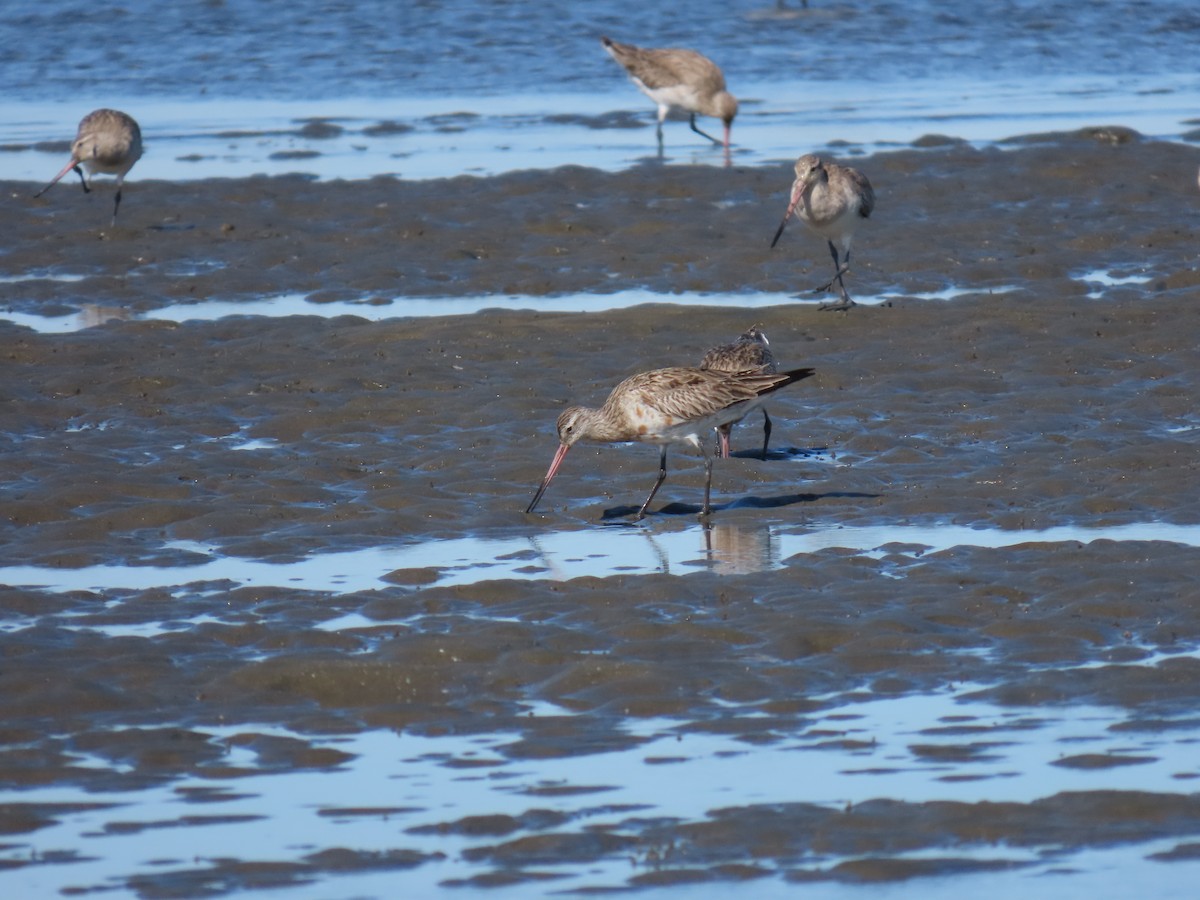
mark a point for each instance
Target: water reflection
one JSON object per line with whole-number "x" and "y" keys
{"x": 408, "y": 790}
{"x": 725, "y": 547}
{"x": 739, "y": 549}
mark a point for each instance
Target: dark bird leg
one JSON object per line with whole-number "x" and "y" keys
{"x": 706, "y": 510}
{"x": 662, "y": 476}
{"x": 82, "y": 180}
{"x": 705, "y": 134}
{"x": 766, "y": 432}
{"x": 116, "y": 205}
{"x": 840, "y": 269}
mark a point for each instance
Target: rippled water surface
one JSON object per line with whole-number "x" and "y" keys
{"x": 431, "y": 89}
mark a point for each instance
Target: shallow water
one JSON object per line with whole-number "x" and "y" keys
{"x": 435, "y": 90}
{"x": 375, "y": 309}
{"x": 421, "y": 138}
{"x": 724, "y": 548}
{"x": 400, "y": 790}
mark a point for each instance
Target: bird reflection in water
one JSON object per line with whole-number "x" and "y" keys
{"x": 740, "y": 549}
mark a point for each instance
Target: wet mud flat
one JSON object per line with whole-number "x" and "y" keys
{"x": 134, "y": 443}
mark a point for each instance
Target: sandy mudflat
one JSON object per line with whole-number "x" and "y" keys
{"x": 1025, "y": 405}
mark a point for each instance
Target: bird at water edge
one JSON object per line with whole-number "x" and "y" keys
{"x": 751, "y": 352}
{"x": 666, "y": 406}
{"x": 680, "y": 78}
{"x": 831, "y": 200}
{"x": 108, "y": 142}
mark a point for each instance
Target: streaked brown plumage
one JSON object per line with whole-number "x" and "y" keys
{"x": 676, "y": 77}
{"x": 831, "y": 200}
{"x": 666, "y": 406}
{"x": 109, "y": 142}
{"x": 751, "y": 352}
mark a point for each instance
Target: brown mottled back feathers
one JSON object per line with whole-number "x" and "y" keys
{"x": 749, "y": 353}
{"x": 666, "y": 67}
{"x": 687, "y": 393}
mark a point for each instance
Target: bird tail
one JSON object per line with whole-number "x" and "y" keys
{"x": 794, "y": 375}
{"x": 772, "y": 383}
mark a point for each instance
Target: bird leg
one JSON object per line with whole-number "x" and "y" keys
{"x": 117, "y": 202}
{"x": 723, "y": 440}
{"x": 708, "y": 464}
{"x": 840, "y": 269}
{"x": 705, "y": 134}
{"x": 662, "y": 476}
{"x": 766, "y": 433}
{"x": 82, "y": 180}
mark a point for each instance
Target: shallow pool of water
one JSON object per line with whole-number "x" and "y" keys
{"x": 728, "y": 548}
{"x": 400, "y": 791}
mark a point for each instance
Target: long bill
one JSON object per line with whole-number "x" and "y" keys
{"x": 792, "y": 203}
{"x": 554, "y": 464}
{"x": 787, "y": 215}
{"x": 73, "y": 164}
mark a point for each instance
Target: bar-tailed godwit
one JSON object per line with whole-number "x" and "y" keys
{"x": 108, "y": 142}
{"x": 682, "y": 78}
{"x": 664, "y": 407}
{"x": 751, "y": 352}
{"x": 830, "y": 199}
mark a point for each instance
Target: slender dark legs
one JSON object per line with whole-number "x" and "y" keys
{"x": 708, "y": 463}
{"x": 840, "y": 268}
{"x": 117, "y": 201}
{"x": 662, "y": 476}
{"x": 703, "y": 133}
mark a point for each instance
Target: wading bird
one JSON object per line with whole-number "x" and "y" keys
{"x": 108, "y": 142}
{"x": 831, "y": 200}
{"x": 664, "y": 407}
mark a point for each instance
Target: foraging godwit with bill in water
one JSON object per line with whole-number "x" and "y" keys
{"x": 751, "y": 352}
{"x": 682, "y": 78}
{"x": 108, "y": 142}
{"x": 831, "y": 200}
{"x": 666, "y": 406}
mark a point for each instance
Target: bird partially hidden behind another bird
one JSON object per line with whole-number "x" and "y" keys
{"x": 831, "y": 200}
{"x": 108, "y": 142}
{"x": 751, "y": 352}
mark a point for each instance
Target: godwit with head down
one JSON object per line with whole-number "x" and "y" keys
{"x": 751, "y": 352}
{"x": 682, "y": 78}
{"x": 664, "y": 407}
{"x": 108, "y": 142}
{"x": 831, "y": 200}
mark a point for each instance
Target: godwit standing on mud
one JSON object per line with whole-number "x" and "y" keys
{"x": 109, "y": 142}
{"x": 664, "y": 407}
{"x": 682, "y": 78}
{"x": 830, "y": 199}
{"x": 751, "y": 352}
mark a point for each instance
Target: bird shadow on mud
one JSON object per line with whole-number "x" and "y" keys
{"x": 675, "y": 508}
{"x": 783, "y": 453}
